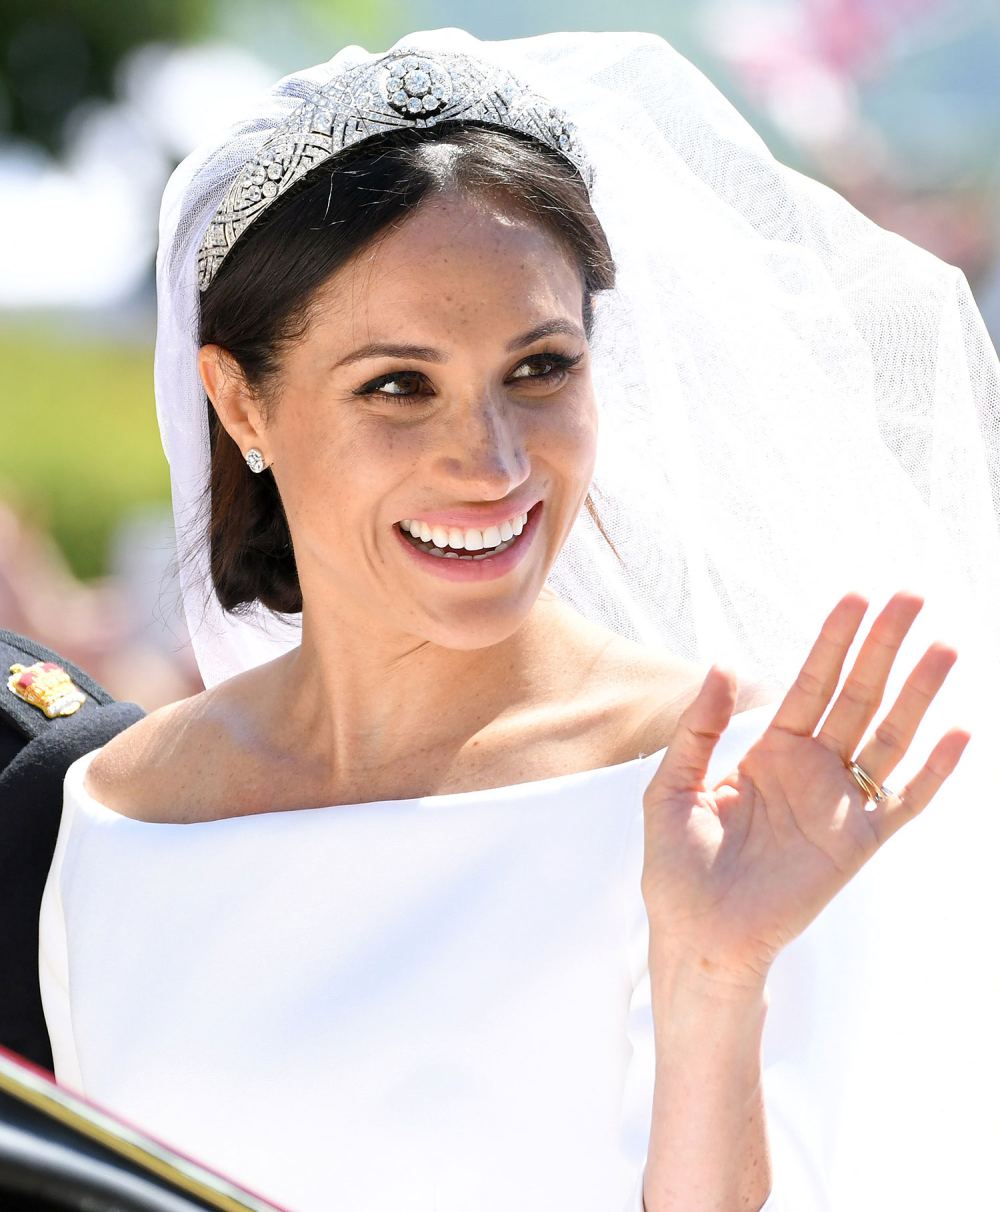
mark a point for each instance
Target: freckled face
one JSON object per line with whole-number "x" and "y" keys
{"x": 477, "y": 415}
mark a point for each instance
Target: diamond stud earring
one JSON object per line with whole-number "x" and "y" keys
{"x": 255, "y": 460}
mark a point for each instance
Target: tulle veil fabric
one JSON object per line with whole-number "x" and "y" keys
{"x": 793, "y": 403}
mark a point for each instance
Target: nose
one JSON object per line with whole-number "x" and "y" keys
{"x": 484, "y": 454}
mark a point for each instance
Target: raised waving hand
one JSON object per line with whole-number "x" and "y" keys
{"x": 733, "y": 873}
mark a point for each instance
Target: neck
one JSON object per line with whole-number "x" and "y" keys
{"x": 373, "y": 701}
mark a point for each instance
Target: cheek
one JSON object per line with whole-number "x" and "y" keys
{"x": 342, "y": 470}
{"x": 573, "y": 428}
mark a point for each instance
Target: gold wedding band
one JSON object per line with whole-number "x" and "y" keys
{"x": 874, "y": 791}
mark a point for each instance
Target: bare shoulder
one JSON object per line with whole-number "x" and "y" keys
{"x": 151, "y": 770}
{"x": 664, "y": 685}
{"x": 637, "y": 693}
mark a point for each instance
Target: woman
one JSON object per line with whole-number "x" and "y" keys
{"x": 463, "y": 883}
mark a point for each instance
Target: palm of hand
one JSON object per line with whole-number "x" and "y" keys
{"x": 733, "y": 873}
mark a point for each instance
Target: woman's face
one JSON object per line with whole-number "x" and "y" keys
{"x": 444, "y": 378}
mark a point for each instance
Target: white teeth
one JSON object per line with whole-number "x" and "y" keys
{"x": 454, "y": 555}
{"x": 465, "y": 540}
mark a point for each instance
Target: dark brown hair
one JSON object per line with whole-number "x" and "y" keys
{"x": 259, "y": 302}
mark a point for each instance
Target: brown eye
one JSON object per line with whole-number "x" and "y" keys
{"x": 546, "y": 366}
{"x": 405, "y": 385}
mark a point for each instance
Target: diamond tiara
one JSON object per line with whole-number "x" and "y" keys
{"x": 404, "y": 88}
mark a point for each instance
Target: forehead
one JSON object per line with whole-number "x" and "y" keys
{"x": 457, "y": 260}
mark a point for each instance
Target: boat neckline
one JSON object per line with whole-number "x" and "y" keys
{"x": 76, "y": 774}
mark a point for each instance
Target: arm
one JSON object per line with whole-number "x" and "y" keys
{"x": 735, "y": 874}
{"x": 708, "y": 1149}
{"x": 822, "y": 1001}
{"x": 704, "y": 1067}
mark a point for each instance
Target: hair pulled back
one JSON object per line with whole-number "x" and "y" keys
{"x": 258, "y": 304}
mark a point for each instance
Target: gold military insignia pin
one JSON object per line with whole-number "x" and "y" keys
{"x": 47, "y": 686}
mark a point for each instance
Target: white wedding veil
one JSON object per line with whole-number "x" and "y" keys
{"x": 793, "y": 403}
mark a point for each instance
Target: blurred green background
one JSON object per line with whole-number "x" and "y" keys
{"x": 80, "y": 447}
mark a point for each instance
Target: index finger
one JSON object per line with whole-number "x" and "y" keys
{"x": 803, "y": 706}
{"x": 698, "y": 730}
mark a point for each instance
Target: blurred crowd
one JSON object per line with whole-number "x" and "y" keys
{"x": 120, "y": 628}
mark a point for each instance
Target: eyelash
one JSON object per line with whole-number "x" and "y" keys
{"x": 562, "y": 364}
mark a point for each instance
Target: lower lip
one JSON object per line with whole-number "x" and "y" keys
{"x": 487, "y": 569}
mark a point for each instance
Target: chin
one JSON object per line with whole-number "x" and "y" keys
{"x": 477, "y": 625}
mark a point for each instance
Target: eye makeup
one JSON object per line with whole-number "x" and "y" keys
{"x": 560, "y": 364}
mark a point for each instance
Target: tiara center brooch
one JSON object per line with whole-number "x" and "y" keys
{"x": 417, "y": 87}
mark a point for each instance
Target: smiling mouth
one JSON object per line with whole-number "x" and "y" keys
{"x": 447, "y": 553}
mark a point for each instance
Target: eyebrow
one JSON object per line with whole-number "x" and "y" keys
{"x": 425, "y": 353}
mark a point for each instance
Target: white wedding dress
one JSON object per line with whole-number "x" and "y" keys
{"x": 425, "y": 1005}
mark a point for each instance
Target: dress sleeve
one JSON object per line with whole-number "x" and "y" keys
{"x": 805, "y": 1038}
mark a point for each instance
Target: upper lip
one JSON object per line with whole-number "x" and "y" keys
{"x": 476, "y": 519}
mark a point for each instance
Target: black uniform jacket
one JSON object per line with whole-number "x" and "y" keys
{"x": 35, "y": 753}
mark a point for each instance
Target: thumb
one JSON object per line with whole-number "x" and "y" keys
{"x": 685, "y": 763}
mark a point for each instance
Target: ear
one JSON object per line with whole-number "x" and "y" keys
{"x": 236, "y": 406}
